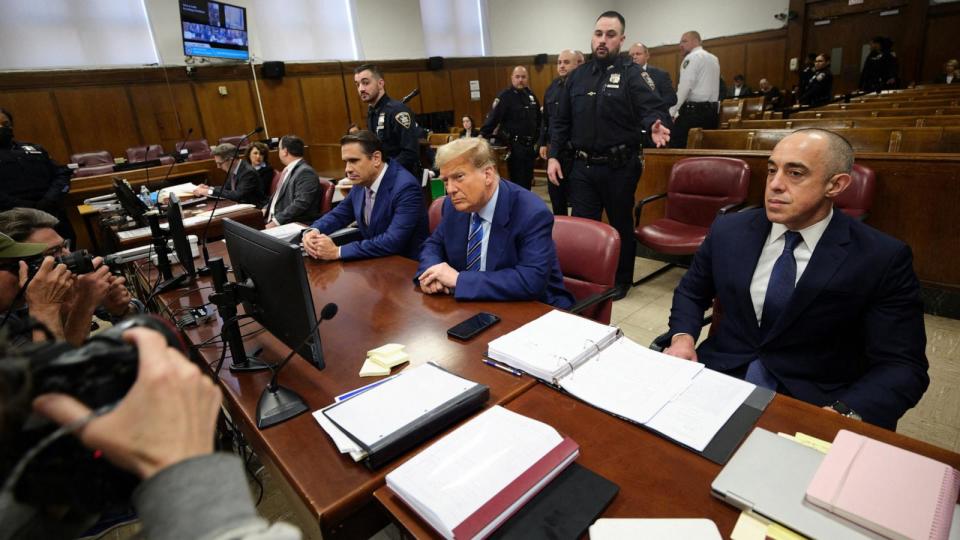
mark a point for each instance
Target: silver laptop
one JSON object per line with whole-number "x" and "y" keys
{"x": 769, "y": 475}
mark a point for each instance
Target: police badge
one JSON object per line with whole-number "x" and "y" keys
{"x": 614, "y": 78}
{"x": 649, "y": 80}
{"x": 404, "y": 119}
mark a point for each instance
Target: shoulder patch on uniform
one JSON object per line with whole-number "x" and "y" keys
{"x": 496, "y": 101}
{"x": 821, "y": 76}
{"x": 649, "y": 80}
{"x": 404, "y": 119}
{"x": 685, "y": 64}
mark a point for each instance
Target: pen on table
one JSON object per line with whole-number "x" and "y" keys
{"x": 508, "y": 369}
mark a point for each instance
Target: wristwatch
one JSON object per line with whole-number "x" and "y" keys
{"x": 844, "y": 410}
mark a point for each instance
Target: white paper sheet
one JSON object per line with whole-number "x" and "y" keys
{"x": 694, "y": 417}
{"x": 654, "y": 529}
{"x": 385, "y": 409}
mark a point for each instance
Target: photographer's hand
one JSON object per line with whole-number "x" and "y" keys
{"x": 168, "y": 416}
{"x": 90, "y": 289}
{"x": 46, "y": 294}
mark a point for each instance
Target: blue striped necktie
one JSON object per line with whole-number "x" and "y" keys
{"x": 474, "y": 243}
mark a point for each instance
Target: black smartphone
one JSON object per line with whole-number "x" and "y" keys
{"x": 473, "y": 326}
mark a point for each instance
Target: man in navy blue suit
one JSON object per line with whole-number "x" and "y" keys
{"x": 660, "y": 81}
{"x": 815, "y": 304}
{"x": 385, "y": 201}
{"x": 495, "y": 241}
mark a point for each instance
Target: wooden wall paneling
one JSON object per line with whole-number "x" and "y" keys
{"x": 940, "y": 41}
{"x": 667, "y": 59}
{"x": 98, "y": 118}
{"x": 226, "y": 116}
{"x": 356, "y": 108}
{"x": 540, "y": 78}
{"x": 36, "y": 120}
{"x": 490, "y": 85}
{"x": 283, "y": 107}
{"x": 401, "y": 83}
{"x": 157, "y": 108}
{"x": 326, "y": 160}
{"x": 460, "y": 90}
{"x": 732, "y": 61}
{"x": 765, "y": 59}
{"x": 435, "y": 90}
{"x": 327, "y": 118}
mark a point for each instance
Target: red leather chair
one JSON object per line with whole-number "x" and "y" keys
{"x": 235, "y": 140}
{"x": 588, "y": 251}
{"x": 136, "y": 154}
{"x": 198, "y": 150}
{"x": 326, "y": 195}
{"x": 699, "y": 189}
{"x": 857, "y": 199}
{"x": 435, "y": 213}
{"x": 93, "y": 163}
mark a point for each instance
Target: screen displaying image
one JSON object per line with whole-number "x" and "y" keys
{"x": 214, "y": 29}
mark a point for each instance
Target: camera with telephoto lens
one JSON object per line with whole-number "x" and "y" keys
{"x": 78, "y": 262}
{"x": 98, "y": 373}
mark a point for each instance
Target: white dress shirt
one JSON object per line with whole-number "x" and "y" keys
{"x": 772, "y": 249}
{"x": 486, "y": 215}
{"x": 699, "y": 79}
{"x": 283, "y": 179}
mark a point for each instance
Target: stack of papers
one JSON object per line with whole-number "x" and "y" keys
{"x": 202, "y": 217}
{"x": 182, "y": 190}
{"x": 629, "y": 529}
{"x": 381, "y": 360}
{"x": 288, "y": 233}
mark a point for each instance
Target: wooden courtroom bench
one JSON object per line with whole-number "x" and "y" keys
{"x": 912, "y": 111}
{"x": 894, "y": 104}
{"x": 910, "y": 140}
{"x": 840, "y": 123}
{"x": 730, "y": 108}
{"x": 916, "y": 200}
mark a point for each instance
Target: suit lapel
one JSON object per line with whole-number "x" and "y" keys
{"x": 744, "y": 255}
{"x": 499, "y": 231}
{"x": 384, "y": 195}
{"x": 288, "y": 180}
{"x": 457, "y": 243}
{"x": 827, "y": 258}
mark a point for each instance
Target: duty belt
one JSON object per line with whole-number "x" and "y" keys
{"x": 701, "y": 105}
{"x": 527, "y": 140}
{"x": 616, "y": 156}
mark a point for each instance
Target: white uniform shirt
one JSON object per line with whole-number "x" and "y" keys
{"x": 699, "y": 79}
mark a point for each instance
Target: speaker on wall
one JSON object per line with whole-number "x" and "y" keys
{"x": 274, "y": 70}
{"x": 540, "y": 59}
{"x": 435, "y": 62}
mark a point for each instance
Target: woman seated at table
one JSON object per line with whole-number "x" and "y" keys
{"x": 468, "y": 129}
{"x": 257, "y": 156}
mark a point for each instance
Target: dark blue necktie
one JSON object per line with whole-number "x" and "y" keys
{"x": 783, "y": 280}
{"x": 474, "y": 243}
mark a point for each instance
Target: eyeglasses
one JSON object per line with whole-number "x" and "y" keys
{"x": 62, "y": 247}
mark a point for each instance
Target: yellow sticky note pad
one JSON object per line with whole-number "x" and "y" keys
{"x": 389, "y": 348}
{"x": 373, "y": 369}
{"x": 813, "y": 442}
{"x": 749, "y": 527}
{"x": 775, "y": 531}
{"x": 390, "y": 360}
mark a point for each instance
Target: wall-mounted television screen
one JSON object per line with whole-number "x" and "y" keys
{"x": 214, "y": 29}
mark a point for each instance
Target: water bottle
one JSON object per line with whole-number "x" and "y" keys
{"x": 145, "y": 196}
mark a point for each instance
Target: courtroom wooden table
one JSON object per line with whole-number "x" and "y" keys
{"x": 378, "y": 304}
{"x": 252, "y": 217}
{"x": 657, "y": 478}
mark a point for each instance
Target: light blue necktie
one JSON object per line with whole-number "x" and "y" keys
{"x": 474, "y": 243}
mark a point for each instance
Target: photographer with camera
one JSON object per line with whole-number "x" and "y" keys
{"x": 42, "y": 299}
{"x": 162, "y": 431}
{"x": 96, "y": 292}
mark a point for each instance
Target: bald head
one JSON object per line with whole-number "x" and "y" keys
{"x": 567, "y": 61}
{"x": 640, "y": 54}
{"x": 519, "y": 77}
{"x": 838, "y": 153}
{"x": 689, "y": 41}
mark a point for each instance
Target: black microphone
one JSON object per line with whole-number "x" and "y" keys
{"x": 277, "y": 403}
{"x": 216, "y": 202}
{"x": 411, "y": 95}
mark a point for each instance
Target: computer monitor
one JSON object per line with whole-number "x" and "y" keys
{"x": 178, "y": 234}
{"x": 214, "y": 30}
{"x": 131, "y": 204}
{"x": 283, "y": 305}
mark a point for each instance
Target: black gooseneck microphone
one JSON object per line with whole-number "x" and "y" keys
{"x": 206, "y": 228}
{"x": 411, "y": 95}
{"x": 277, "y": 403}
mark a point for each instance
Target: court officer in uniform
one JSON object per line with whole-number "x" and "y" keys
{"x": 391, "y": 120}
{"x": 698, "y": 92}
{"x": 567, "y": 61}
{"x": 515, "y": 117}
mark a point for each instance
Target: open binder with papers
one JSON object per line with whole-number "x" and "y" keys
{"x": 471, "y": 482}
{"x": 389, "y": 417}
{"x": 701, "y": 409}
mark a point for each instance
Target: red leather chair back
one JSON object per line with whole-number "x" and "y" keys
{"x": 857, "y": 199}
{"x": 326, "y": 195}
{"x": 588, "y": 251}
{"x": 92, "y": 159}
{"x": 234, "y": 140}
{"x": 275, "y": 183}
{"x": 198, "y": 149}
{"x": 435, "y": 213}
{"x": 137, "y": 154}
{"x": 700, "y": 186}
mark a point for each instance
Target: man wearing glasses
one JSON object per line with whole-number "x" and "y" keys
{"x": 243, "y": 182}
{"x": 97, "y": 292}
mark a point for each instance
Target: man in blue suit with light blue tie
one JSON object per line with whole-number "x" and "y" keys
{"x": 495, "y": 241}
{"x": 815, "y": 304}
{"x": 385, "y": 201}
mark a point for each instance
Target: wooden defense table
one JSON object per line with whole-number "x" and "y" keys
{"x": 251, "y": 217}
{"x": 657, "y": 478}
{"x": 378, "y": 304}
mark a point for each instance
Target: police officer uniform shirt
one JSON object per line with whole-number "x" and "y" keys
{"x": 517, "y": 113}
{"x": 397, "y": 129}
{"x": 699, "y": 74}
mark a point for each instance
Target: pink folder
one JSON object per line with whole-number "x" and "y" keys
{"x": 886, "y": 489}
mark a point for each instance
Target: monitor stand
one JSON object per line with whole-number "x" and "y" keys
{"x": 227, "y": 297}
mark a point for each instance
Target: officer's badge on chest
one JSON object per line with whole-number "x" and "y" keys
{"x": 613, "y": 81}
{"x": 381, "y": 121}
